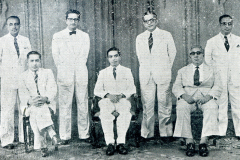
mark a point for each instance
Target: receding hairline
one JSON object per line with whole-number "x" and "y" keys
{"x": 13, "y": 17}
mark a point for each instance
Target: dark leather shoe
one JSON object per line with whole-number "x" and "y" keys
{"x": 44, "y": 152}
{"x": 64, "y": 142}
{"x": 122, "y": 149}
{"x": 190, "y": 149}
{"x": 110, "y": 150}
{"x": 203, "y": 151}
{"x": 9, "y": 146}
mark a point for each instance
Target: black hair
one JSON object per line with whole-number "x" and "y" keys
{"x": 224, "y": 16}
{"x": 13, "y": 17}
{"x": 73, "y": 11}
{"x": 114, "y": 49}
{"x": 34, "y": 52}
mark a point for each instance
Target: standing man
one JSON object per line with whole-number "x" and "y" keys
{"x": 70, "y": 49}
{"x": 13, "y": 55}
{"x": 156, "y": 52}
{"x": 220, "y": 52}
{"x": 115, "y": 85}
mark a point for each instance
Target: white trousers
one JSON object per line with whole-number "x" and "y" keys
{"x": 234, "y": 97}
{"x": 123, "y": 121}
{"x": 40, "y": 119}
{"x": 183, "y": 123}
{"x": 164, "y": 109}
{"x": 9, "y": 98}
{"x": 65, "y": 110}
{"x": 230, "y": 93}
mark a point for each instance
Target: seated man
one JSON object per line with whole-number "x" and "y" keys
{"x": 197, "y": 85}
{"x": 115, "y": 85}
{"x": 37, "y": 90}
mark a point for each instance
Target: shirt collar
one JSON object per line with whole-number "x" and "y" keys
{"x": 199, "y": 67}
{"x": 154, "y": 32}
{"x": 115, "y": 67}
{"x": 13, "y": 37}
{"x": 228, "y": 36}
{"x": 68, "y": 30}
{"x": 33, "y": 73}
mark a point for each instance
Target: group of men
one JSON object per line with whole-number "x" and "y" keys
{"x": 202, "y": 84}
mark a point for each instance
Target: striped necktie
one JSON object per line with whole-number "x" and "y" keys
{"x": 36, "y": 81}
{"x": 16, "y": 46}
{"x": 114, "y": 73}
{"x": 150, "y": 42}
{"x": 226, "y": 44}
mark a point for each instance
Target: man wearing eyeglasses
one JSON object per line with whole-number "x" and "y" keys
{"x": 70, "y": 48}
{"x": 222, "y": 52}
{"x": 156, "y": 51}
{"x": 197, "y": 86}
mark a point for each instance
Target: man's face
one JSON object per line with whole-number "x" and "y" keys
{"x": 34, "y": 62}
{"x": 150, "y": 22}
{"x": 114, "y": 58}
{"x": 13, "y": 26}
{"x": 197, "y": 56}
{"x": 226, "y": 25}
{"x": 72, "y": 21}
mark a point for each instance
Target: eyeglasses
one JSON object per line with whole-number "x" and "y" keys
{"x": 227, "y": 23}
{"x": 150, "y": 20}
{"x": 73, "y": 19}
{"x": 197, "y": 53}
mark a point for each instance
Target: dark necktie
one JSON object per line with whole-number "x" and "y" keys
{"x": 196, "y": 77}
{"x": 114, "y": 73}
{"x": 16, "y": 46}
{"x": 150, "y": 42}
{"x": 73, "y": 32}
{"x": 226, "y": 43}
{"x": 36, "y": 81}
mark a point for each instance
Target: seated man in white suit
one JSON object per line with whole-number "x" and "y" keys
{"x": 115, "y": 85}
{"x": 37, "y": 91}
{"x": 197, "y": 85}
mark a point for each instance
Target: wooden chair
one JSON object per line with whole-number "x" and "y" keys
{"x": 28, "y": 133}
{"x": 97, "y": 135}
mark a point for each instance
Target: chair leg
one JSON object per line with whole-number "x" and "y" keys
{"x": 28, "y": 135}
{"x": 115, "y": 131}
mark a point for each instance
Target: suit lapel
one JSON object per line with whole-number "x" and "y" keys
{"x": 220, "y": 44}
{"x": 189, "y": 74}
{"x": 41, "y": 79}
{"x": 30, "y": 83}
{"x": 67, "y": 40}
{"x": 206, "y": 72}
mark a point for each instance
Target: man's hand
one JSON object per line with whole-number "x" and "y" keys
{"x": 188, "y": 98}
{"x": 39, "y": 101}
{"x": 114, "y": 98}
{"x": 204, "y": 99}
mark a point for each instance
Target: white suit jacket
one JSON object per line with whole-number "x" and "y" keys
{"x": 46, "y": 85}
{"x": 106, "y": 83}
{"x": 70, "y": 55}
{"x": 217, "y": 56}
{"x": 210, "y": 85}
{"x": 10, "y": 65}
{"x": 159, "y": 62}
